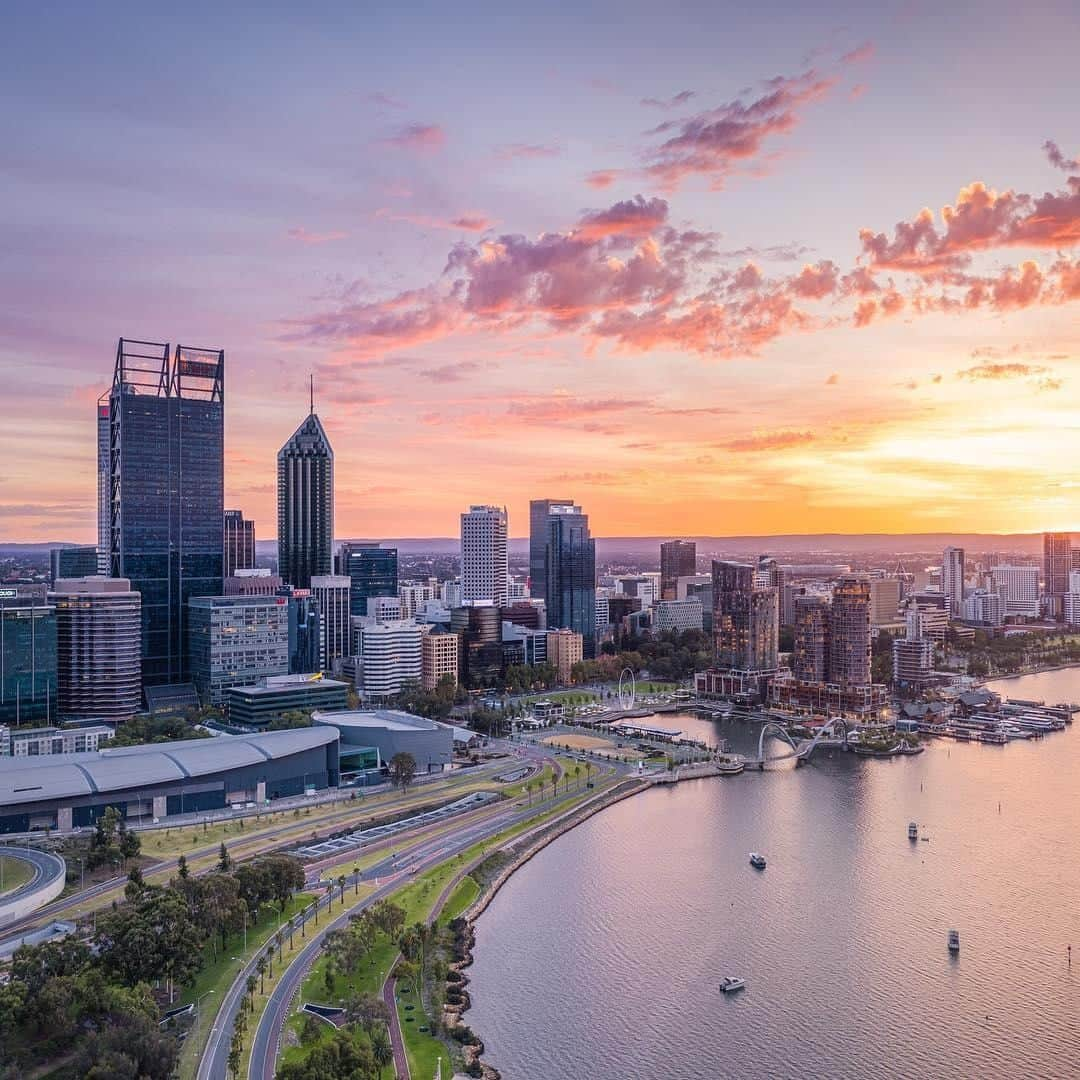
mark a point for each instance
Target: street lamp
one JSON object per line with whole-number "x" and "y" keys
{"x": 198, "y": 1012}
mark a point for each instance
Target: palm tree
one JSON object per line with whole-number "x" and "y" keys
{"x": 577, "y": 775}
{"x": 356, "y": 880}
{"x": 381, "y": 1049}
{"x": 341, "y": 886}
{"x": 260, "y": 967}
{"x": 270, "y": 960}
{"x": 279, "y": 938}
{"x": 292, "y": 930}
{"x": 251, "y": 983}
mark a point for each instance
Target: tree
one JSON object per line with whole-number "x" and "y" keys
{"x": 130, "y": 1045}
{"x": 135, "y": 883}
{"x": 130, "y": 844}
{"x": 366, "y": 1009}
{"x": 381, "y": 1049}
{"x": 260, "y": 967}
{"x": 182, "y": 868}
{"x": 402, "y": 770}
{"x": 224, "y": 859}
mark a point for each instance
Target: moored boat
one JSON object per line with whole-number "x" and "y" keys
{"x": 730, "y": 984}
{"x": 757, "y": 861}
{"x": 954, "y": 941}
{"x": 913, "y": 831}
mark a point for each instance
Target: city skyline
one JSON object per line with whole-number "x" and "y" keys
{"x": 710, "y": 287}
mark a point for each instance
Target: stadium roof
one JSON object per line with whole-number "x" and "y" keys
{"x": 61, "y": 776}
{"x": 388, "y": 719}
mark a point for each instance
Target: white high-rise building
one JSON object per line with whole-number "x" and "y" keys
{"x": 390, "y": 655}
{"x": 984, "y": 608}
{"x": 414, "y": 593}
{"x": 1071, "y": 600}
{"x": 484, "y": 567}
{"x": 332, "y": 593}
{"x": 952, "y": 578}
{"x": 1018, "y": 587}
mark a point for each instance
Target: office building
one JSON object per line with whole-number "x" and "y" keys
{"x": 413, "y": 594}
{"x": 305, "y": 500}
{"x": 255, "y": 581}
{"x": 41, "y": 742}
{"x": 439, "y": 658}
{"x": 104, "y": 487}
{"x": 235, "y": 641}
{"x": 384, "y": 608}
{"x": 884, "y": 601}
{"x": 480, "y": 658}
{"x": 641, "y": 586}
{"x": 305, "y": 637}
{"x": 372, "y": 571}
{"x": 570, "y": 590}
{"x": 603, "y": 611}
{"x": 1018, "y": 587}
{"x": 275, "y": 695}
{"x": 389, "y": 656}
{"x": 484, "y": 567}
{"x": 167, "y": 475}
{"x": 73, "y": 562}
{"x": 678, "y": 558}
{"x": 810, "y": 653}
{"x": 745, "y": 619}
{"x": 239, "y": 542}
{"x": 331, "y": 592}
{"x": 983, "y": 608}
{"x": 98, "y": 635}
{"x": 913, "y": 654}
{"x": 523, "y": 645}
{"x": 27, "y": 655}
{"x": 1057, "y": 562}
{"x": 565, "y": 648}
{"x": 528, "y": 613}
{"x": 539, "y": 510}
{"x": 952, "y": 579}
{"x": 676, "y": 616}
{"x": 450, "y": 593}
{"x": 849, "y": 632}
{"x": 516, "y": 589}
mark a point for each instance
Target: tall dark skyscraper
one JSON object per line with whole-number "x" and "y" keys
{"x": 570, "y": 589}
{"x": 104, "y": 489}
{"x": 305, "y": 491}
{"x": 678, "y": 558}
{"x": 166, "y": 490}
{"x": 372, "y": 570}
{"x": 239, "y": 542}
{"x": 539, "y": 509}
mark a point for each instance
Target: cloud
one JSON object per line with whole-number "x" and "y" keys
{"x": 833, "y": 379}
{"x": 680, "y": 98}
{"x": 1058, "y": 159}
{"x": 463, "y": 222}
{"x": 863, "y": 52}
{"x": 301, "y": 235}
{"x": 385, "y": 100}
{"x": 635, "y": 217}
{"x": 777, "y": 252}
{"x": 713, "y": 143}
{"x": 527, "y": 150}
{"x": 603, "y": 178}
{"x": 424, "y": 138}
{"x": 996, "y": 372}
{"x": 449, "y": 373}
{"x": 767, "y": 440}
{"x": 816, "y": 281}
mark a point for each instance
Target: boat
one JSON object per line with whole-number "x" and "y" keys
{"x": 913, "y": 831}
{"x": 730, "y": 984}
{"x": 730, "y": 768}
{"x": 954, "y": 941}
{"x": 757, "y": 861}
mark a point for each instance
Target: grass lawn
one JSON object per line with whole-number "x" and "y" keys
{"x": 423, "y": 1050}
{"x": 461, "y": 899}
{"x": 14, "y": 873}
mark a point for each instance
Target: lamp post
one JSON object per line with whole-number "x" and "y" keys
{"x": 198, "y": 1012}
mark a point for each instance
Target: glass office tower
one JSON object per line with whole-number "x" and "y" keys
{"x": 372, "y": 570}
{"x": 539, "y": 510}
{"x": 27, "y": 655}
{"x": 570, "y": 588}
{"x": 305, "y": 491}
{"x": 167, "y": 481}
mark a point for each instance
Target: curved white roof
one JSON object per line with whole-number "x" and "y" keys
{"x": 60, "y": 776}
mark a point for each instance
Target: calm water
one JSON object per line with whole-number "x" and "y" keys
{"x": 600, "y": 958}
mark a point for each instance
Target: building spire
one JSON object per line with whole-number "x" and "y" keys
{"x": 311, "y": 377}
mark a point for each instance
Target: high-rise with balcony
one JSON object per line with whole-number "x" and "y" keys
{"x": 166, "y": 488}
{"x": 484, "y": 566}
{"x": 678, "y": 558}
{"x": 539, "y": 509}
{"x": 239, "y": 542}
{"x": 305, "y": 499}
{"x": 104, "y": 495}
{"x": 849, "y": 632}
{"x": 810, "y": 653}
{"x": 98, "y": 634}
{"x": 570, "y": 589}
{"x": 952, "y": 579}
{"x": 746, "y": 618}
{"x": 1057, "y": 562}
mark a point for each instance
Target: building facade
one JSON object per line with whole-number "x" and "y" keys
{"x": 98, "y": 636}
{"x": 480, "y": 657}
{"x": 305, "y": 502}
{"x": 236, "y": 641}
{"x": 372, "y": 571}
{"x": 677, "y": 616}
{"x": 167, "y": 486}
{"x": 276, "y": 695}
{"x": 305, "y": 638}
{"x": 539, "y": 510}
{"x": 252, "y": 582}
{"x": 678, "y": 558}
{"x": 39, "y": 742}
{"x": 810, "y": 653}
{"x": 104, "y": 487}
{"x": 884, "y": 601}
{"x": 1018, "y": 587}
{"x": 952, "y": 579}
{"x": 983, "y": 608}
{"x": 570, "y": 591}
{"x": 28, "y": 660}
{"x": 565, "y": 648}
{"x": 239, "y": 542}
{"x": 439, "y": 658}
{"x": 1057, "y": 562}
{"x": 389, "y": 655}
{"x": 484, "y": 566}
{"x": 746, "y": 619}
{"x": 849, "y": 632}
{"x": 73, "y": 562}
{"x": 331, "y": 592}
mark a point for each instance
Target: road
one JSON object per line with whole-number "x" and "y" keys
{"x": 47, "y": 869}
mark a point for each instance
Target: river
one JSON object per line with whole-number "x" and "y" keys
{"x": 600, "y": 958}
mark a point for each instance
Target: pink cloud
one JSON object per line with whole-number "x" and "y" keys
{"x": 1058, "y": 159}
{"x": 527, "y": 150}
{"x": 424, "y": 138}
{"x": 604, "y": 178}
{"x": 464, "y": 222}
{"x": 816, "y": 281}
{"x": 680, "y": 98}
{"x": 768, "y": 440}
{"x": 303, "y": 236}
{"x": 635, "y": 217}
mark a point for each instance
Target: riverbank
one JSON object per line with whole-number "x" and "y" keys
{"x": 1031, "y": 671}
{"x": 531, "y": 845}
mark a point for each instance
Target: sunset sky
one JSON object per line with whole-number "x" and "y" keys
{"x": 706, "y": 268}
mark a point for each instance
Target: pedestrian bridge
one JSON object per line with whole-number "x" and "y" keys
{"x": 800, "y": 751}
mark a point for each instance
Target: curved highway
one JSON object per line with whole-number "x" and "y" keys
{"x": 50, "y": 871}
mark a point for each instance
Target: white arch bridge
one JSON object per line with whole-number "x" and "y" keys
{"x": 801, "y": 750}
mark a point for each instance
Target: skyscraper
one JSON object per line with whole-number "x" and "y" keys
{"x": 570, "y": 588}
{"x": 678, "y": 558}
{"x": 239, "y": 542}
{"x": 166, "y": 478}
{"x": 952, "y": 578}
{"x": 810, "y": 654}
{"x": 539, "y": 509}
{"x": 373, "y": 571}
{"x": 484, "y": 566}
{"x": 331, "y": 592}
{"x": 305, "y": 491}
{"x": 849, "y": 632}
{"x": 104, "y": 495}
{"x": 746, "y": 619}
{"x": 27, "y": 655}
{"x": 1057, "y": 562}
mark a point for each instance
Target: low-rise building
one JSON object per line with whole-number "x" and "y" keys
{"x": 439, "y": 658}
{"x": 565, "y": 648}
{"x": 35, "y": 742}
{"x": 676, "y": 616}
{"x": 275, "y": 695}
{"x": 377, "y": 735}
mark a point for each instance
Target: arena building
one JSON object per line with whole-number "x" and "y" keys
{"x": 65, "y": 791}
{"x": 369, "y": 739}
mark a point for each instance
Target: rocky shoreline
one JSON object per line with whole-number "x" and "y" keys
{"x": 458, "y": 1000}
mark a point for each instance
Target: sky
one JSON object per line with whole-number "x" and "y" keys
{"x": 705, "y": 268}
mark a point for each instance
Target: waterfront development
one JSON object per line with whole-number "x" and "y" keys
{"x": 637, "y": 914}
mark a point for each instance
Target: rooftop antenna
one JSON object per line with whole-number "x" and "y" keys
{"x": 311, "y": 377}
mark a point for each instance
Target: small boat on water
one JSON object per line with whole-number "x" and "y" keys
{"x": 913, "y": 831}
{"x": 757, "y": 861}
{"x": 731, "y": 984}
{"x": 954, "y": 941}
